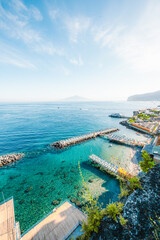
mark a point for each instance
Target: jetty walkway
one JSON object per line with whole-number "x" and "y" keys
{"x": 110, "y": 167}
{"x": 82, "y": 138}
{"x": 125, "y": 140}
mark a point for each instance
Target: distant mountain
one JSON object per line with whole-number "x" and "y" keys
{"x": 75, "y": 99}
{"x": 153, "y": 96}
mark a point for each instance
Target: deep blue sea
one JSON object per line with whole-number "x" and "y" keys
{"x": 53, "y": 174}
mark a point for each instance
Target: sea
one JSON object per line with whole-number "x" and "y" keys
{"x": 46, "y": 174}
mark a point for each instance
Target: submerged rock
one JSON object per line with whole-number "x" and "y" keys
{"x": 65, "y": 175}
{"x": 28, "y": 189}
{"x": 79, "y": 193}
{"x": 139, "y": 207}
{"x": 39, "y": 173}
{"x": 21, "y": 201}
{"x": 90, "y": 180}
{"x": 55, "y": 202}
{"x": 76, "y": 201}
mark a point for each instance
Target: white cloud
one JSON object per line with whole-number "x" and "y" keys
{"x": 76, "y": 26}
{"x": 53, "y": 14}
{"x": 11, "y": 56}
{"x": 18, "y": 5}
{"x": 78, "y": 62}
{"x": 16, "y": 22}
{"x": 36, "y": 13}
{"x": 106, "y": 35}
{"x": 65, "y": 71}
{"x": 45, "y": 48}
{"x": 138, "y": 45}
{"x": 17, "y": 26}
{"x": 19, "y": 62}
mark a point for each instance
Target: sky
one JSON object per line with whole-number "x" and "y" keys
{"x": 101, "y": 50}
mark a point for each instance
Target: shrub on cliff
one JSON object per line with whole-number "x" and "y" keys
{"x": 147, "y": 162}
{"x": 133, "y": 184}
{"x": 113, "y": 210}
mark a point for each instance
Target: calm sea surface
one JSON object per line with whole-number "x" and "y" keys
{"x": 53, "y": 174}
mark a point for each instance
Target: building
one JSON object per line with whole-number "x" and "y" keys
{"x": 154, "y": 149}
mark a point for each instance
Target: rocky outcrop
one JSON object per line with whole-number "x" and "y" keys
{"x": 139, "y": 207}
{"x": 10, "y": 158}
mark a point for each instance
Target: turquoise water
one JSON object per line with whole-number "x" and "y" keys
{"x": 51, "y": 174}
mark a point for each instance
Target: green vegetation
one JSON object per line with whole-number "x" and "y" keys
{"x": 155, "y": 126}
{"x": 133, "y": 119}
{"x": 156, "y": 225}
{"x": 128, "y": 186}
{"x": 133, "y": 184}
{"x": 113, "y": 210}
{"x": 155, "y": 111}
{"x": 122, "y": 220}
{"x": 94, "y": 218}
{"x": 124, "y": 193}
{"x": 147, "y": 162}
{"x": 152, "y": 115}
{"x": 143, "y": 116}
{"x": 123, "y": 187}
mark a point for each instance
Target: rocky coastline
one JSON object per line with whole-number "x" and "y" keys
{"x": 10, "y": 158}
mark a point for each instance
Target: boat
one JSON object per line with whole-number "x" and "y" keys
{"x": 117, "y": 115}
{"x": 110, "y": 145}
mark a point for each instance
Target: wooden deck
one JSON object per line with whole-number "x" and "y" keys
{"x": 57, "y": 225}
{"x": 7, "y": 221}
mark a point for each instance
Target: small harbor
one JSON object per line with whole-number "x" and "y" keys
{"x": 82, "y": 138}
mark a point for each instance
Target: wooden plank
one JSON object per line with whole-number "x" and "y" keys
{"x": 7, "y": 221}
{"x": 57, "y": 225}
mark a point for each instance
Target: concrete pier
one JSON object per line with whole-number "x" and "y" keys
{"x": 82, "y": 138}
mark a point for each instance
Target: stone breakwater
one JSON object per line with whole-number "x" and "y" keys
{"x": 75, "y": 140}
{"x": 10, "y": 158}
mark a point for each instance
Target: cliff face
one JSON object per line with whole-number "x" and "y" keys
{"x": 139, "y": 207}
{"x": 154, "y": 96}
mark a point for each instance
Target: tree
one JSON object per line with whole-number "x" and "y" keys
{"x": 147, "y": 162}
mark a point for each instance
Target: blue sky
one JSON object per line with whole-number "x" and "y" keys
{"x": 102, "y": 50}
